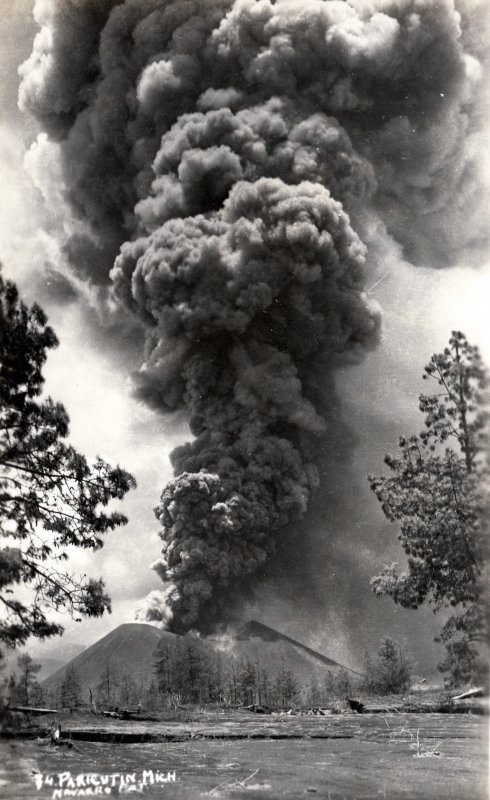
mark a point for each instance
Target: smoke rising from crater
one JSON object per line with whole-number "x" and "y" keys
{"x": 222, "y": 160}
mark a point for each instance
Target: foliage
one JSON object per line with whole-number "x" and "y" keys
{"x": 389, "y": 673}
{"x": 50, "y": 495}
{"x": 437, "y": 494}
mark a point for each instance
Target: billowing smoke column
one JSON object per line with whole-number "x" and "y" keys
{"x": 228, "y": 151}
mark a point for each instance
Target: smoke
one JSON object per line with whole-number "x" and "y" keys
{"x": 224, "y": 162}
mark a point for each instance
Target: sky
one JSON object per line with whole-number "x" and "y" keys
{"x": 345, "y": 538}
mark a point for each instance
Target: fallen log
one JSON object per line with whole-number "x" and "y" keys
{"x": 478, "y": 692}
{"x": 126, "y": 714}
{"x": 255, "y": 708}
{"x": 32, "y": 710}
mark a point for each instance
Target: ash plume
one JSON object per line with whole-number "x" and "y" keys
{"x": 224, "y": 159}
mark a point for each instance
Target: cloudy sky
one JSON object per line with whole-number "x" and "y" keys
{"x": 427, "y": 269}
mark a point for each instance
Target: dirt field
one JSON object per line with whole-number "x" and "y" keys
{"x": 356, "y": 757}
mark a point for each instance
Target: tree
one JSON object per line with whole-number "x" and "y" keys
{"x": 51, "y": 497}
{"x": 287, "y": 686}
{"x": 247, "y": 678}
{"x": 438, "y": 493}
{"x": 164, "y": 666}
{"x": 71, "y": 688}
{"x": 343, "y": 683}
{"x": 389, "y": 673}
{"x": 12, "y": 690}
{"x": 28, "y": 689}
{"x": 129, "y": 691}
{"x": 265, "y": 685}
{"x": 108, "y": 684}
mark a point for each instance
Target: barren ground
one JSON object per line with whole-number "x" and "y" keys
{"x": 243, "y": 755}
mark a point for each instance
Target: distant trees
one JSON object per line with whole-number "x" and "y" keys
{"x": 50, "y": 496}
{"x": 198, "y": 672}
{"x": 438, "y": 491}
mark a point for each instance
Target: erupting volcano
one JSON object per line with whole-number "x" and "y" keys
{"x": 226, "y": 163}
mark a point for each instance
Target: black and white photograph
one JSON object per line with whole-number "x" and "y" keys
{"x": 244, "y": 399}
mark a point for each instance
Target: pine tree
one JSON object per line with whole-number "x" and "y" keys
{"x": 287, "y": 686}
{"x": 343, "y": 684}
{"x": 233, "y": 685}
{"x": 438, "y": 493}
{"x": 129, "y": 691}
{"x": 109, "y": 682}
{"x": 313, "y": 694}
{"x": 50, "y": 496}
{"x": 27, "y": 685}
{"x": 247, "y": 679}
{"x": 265, "y": 686}
{"x": 71, "y": 688}
{"x": 329, "y": 684}
{"x": 389, "y": 673}
{"x": 164, "y": 666}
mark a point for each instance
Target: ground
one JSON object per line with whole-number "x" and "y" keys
{"x": 243, "y": 755}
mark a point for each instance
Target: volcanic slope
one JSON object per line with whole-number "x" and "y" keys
{"x": 129, "y": 649}
{"x": 253, "y": 641}
{"x": 257, "y": 630}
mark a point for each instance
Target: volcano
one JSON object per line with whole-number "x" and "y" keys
{"x": 129, "y": 649}
{"x": 248, "y": 631}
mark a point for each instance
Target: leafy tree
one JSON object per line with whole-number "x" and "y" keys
{"x": 389, "y": 673}
{"x": 50, "y": 495}
{"x": 438, "y": 493}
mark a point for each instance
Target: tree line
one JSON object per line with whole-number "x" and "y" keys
{"x": 189, "y": 670}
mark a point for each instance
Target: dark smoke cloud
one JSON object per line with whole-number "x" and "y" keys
{"x": 261, "y": 298}
{"x": 225, "y": 157}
